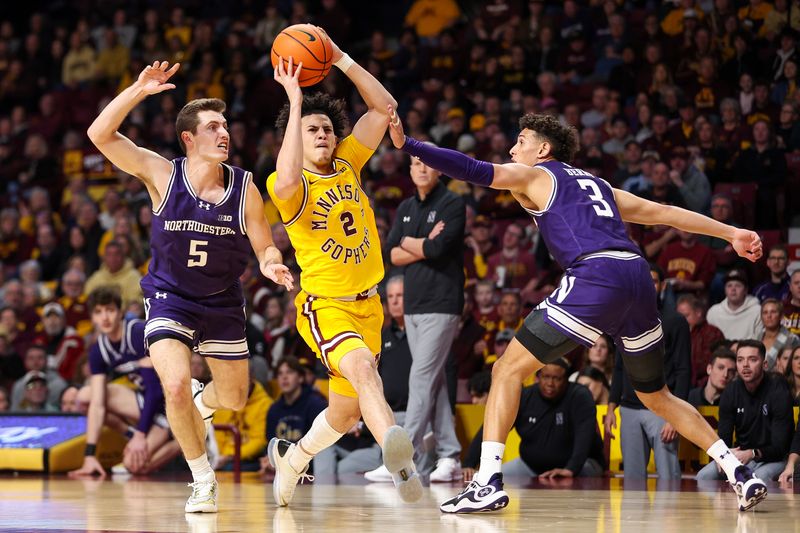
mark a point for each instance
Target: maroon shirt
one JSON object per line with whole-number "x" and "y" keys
{"x": 704, "y": 338}
{"x": 696, "y": 263}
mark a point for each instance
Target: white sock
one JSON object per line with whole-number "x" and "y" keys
{"x": 201, "y": 468}
{"x": 724, "y": 457}
{"x": 320, "y": 436}
{"x": 491, "y": 460}
{"x": 205, "y": 411}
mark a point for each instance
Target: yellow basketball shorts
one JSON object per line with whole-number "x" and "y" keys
{"x": 333, "y": 328}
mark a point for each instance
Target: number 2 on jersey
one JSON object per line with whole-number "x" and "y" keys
{"x": 347, "y": 220}
{"x": 197, "y": 257}
{"x": 603, "y": 210}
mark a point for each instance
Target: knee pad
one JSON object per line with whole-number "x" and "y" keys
{"x": 545, "y": 342}
{"x": 646, "y": 370}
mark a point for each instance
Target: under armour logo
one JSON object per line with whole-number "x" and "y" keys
{"x": 739, "y": 410}
{"x": 532, "y": 419}
{"x": 724, "y": 455}
{"x": 499, "y": 505}
{"x": 406, "y": 219}
{"x": 161, "y": 296}
{"x": 485, "y": 491}
{"x": 204, "y": 205}
{"x": 388, "y": 345}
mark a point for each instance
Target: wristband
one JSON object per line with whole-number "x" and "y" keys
{"x": 344, "y": 63}
{"x": 90, "y": 450}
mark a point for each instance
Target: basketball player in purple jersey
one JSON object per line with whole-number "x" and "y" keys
{"x": 206, "y": 217}
{"x": 121, "y": 347}
{"x": 606, "y": 288}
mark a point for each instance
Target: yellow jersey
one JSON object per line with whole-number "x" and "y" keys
{"x": 332, "y": 226}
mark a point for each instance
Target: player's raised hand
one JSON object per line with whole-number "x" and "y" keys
{"x": 747, "y": 244}
{"x": 153, "y": 78}
{"x": 289, "y": 77}
{"x": 279, "y": 274}
{"x": 337, "y": 52}
{"x": 396, "y": 128}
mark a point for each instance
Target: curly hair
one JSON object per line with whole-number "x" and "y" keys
{"x": 318, "y": 103}
{"x": 563, "y": 139}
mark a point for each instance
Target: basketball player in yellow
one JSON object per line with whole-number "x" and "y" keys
{"x": 318, "y": 192}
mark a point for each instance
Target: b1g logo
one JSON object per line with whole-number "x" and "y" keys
{"x": 225, "y": 218}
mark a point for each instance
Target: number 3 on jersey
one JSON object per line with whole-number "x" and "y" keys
{"x": 603, "y": 210}
{"x": 197, "y": 257}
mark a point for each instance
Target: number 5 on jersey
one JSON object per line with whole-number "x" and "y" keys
{"x": 197, "y": 257}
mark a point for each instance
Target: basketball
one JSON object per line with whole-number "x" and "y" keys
{"x": 307, "y": 45}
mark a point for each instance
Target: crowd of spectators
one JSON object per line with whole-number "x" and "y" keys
{"x": 687, "y": 102}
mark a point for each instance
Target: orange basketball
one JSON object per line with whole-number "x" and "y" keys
{"x": 307, "y": 45}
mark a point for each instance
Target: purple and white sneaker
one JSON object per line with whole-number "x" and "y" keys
{"x": 477, "y": 498}
{"x": 749, "y": 489}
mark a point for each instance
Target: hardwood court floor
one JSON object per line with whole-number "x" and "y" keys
{"x": 30, "y": 504}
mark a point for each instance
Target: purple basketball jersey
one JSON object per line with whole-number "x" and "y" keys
{"x": 199, "y": 249}
{"x": 581, "y": 216}
{"x": 121, "y": 357}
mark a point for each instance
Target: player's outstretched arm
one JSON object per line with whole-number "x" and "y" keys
{"x": 371, "y": 127}
{"x": 290, "y": 157}
{"x": 509, "y": 176}
{"x": 94, "y": 424}
{"x": 634, "y": 209}
{"x": 146, "y": 165}
{"x": 270, "y": 260}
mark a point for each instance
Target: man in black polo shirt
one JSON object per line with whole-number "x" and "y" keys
{"x": 721, "y": 371}
{"x": 758, "y": 407}
{"x": 557, "y": 425}
{"x": 427, "y": 238}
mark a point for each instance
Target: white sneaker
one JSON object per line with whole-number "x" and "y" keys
{"x": 203, "y": 498}
{"x": 197, "y": 390}
{"x": 447, "y": 470}
{"x": 120, "y": 469}
{"x": 398, "y": 457}
{"x": 286, "y": 477}
{"x": 379, "y": 475}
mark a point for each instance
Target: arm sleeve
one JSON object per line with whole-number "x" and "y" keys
{"x": 615, "y": 395}
{"x": 781, "y": 426}
{"x": 450, "y": 240}
{"x": 584, "y": 416}
{"x": 725, "y": 426}
{"x": 153, "y": 399}
{"x": 451, "y": 163}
